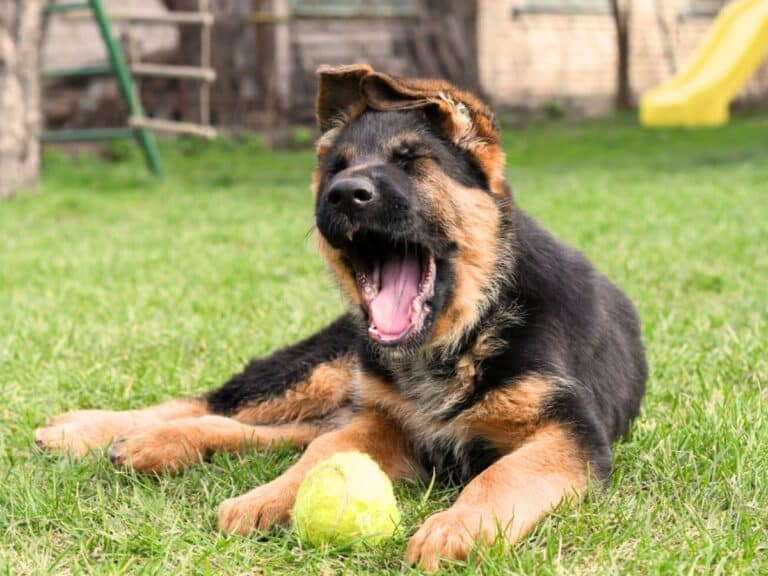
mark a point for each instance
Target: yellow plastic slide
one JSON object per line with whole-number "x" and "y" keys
{"x": 731, "y": 52}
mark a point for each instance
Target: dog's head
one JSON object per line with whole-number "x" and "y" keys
{"x": 412, "y": 210}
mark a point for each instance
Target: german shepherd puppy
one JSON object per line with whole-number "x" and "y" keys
{"x": 476, "y": 345}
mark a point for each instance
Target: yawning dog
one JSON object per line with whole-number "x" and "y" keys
{"x": 476, "y": 346}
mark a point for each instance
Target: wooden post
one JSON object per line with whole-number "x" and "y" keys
{"x": 205, "y": 62}
{"x": 283, "y": 56}
{"x": 20, "y": 22}
{"x": 264, "y": 37}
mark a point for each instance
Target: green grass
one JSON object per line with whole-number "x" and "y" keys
{"x": 116, "y": 292}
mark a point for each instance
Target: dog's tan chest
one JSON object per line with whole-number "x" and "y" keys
{"x": 442, "y": 415}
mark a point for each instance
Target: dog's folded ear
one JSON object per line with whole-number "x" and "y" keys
{"x": 459, "y": 115}
{"x": 344, "y": 92}
{"x": 339, "y": 98}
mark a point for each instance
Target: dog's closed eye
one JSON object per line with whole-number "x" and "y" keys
{"x": 407, "y": 154}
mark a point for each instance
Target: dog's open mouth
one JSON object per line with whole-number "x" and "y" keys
{"x": 396, "y": 279}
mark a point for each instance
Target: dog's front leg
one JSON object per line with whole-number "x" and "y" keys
{"x": 507, "y": 498}
{"x": 368, "y": 432}
{"x": 81, "y": 430}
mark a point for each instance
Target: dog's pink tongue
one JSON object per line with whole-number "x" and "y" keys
{"x": 391, "y": 309}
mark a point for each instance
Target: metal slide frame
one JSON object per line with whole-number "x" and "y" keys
{"x": 122, "y": 73}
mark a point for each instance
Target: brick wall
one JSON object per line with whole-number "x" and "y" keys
{"x": 527, "y": 60}
{"x": 530, "y": 59}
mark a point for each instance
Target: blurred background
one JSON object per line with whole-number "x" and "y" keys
{"x": 560, "y": 56}
{"x": 204, "y": 67}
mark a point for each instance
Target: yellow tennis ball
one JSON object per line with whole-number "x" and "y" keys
{"x": 345, "y": 500}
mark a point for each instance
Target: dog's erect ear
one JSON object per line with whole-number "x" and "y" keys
{"x": 460, "y": 116}
{"x": 338, "y": 94}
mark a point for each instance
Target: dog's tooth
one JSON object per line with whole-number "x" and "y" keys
{"x": 350, "y": 233}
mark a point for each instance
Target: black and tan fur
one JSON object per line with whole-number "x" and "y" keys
{"x": 521, "y": 367}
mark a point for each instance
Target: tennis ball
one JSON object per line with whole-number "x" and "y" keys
{"x": 346, "y": 500}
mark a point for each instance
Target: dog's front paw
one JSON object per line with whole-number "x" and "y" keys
{"x": 163, "y": 447}
{"x": 80, "y": 430}
{"x": 259, "y": 509}
{"x": 449, "y": 535}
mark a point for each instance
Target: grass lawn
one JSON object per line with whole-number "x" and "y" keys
{"x": 117, "y": 292}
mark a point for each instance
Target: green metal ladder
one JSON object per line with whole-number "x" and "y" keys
{"x": 122, "y": 73}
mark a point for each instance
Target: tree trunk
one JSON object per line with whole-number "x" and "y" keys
{"x": 621, "y": 17}
{"x": 19, "y": 95}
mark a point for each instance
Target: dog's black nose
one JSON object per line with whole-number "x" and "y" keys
{"x": 350, "y": 195}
